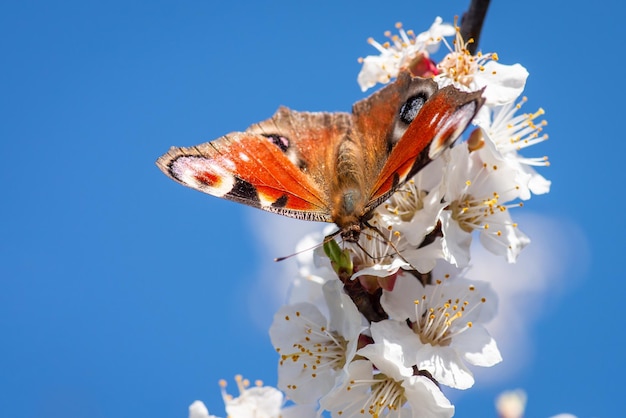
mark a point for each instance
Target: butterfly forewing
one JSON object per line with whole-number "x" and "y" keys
{"x": 278, "y": 165}
{"x": 248, "y": 169}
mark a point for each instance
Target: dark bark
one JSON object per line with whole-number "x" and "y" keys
{"x": 472, "y": 23}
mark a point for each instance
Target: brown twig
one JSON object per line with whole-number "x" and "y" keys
{"x": 367, "y": 303}
{"x": 472, "y": 22}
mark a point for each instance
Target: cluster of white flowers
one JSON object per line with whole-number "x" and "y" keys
{"x": 257, "y": 401}
{"x": 378, "y": 327}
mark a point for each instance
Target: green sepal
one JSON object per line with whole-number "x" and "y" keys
{"x": 339, "y": 259}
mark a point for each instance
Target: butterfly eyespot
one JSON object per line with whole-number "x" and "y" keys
{"x": 411, "y": 107}
{"x": 284, "y": 144}
{"x": 278, "y": 140}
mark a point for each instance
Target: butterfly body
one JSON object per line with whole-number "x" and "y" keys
{"x": 330, "y": 167}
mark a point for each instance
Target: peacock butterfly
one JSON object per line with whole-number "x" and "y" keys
{"x": 330, "y": 167}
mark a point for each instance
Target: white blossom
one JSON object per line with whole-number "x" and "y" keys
{"x": 445, "y": 327}
{"x": 505, "y": 134}
{"x": 381, "y": 387}
{"x": 261, "y": 401}
{"x": 502, "y": 83}
{"x": 402, "y": 51}
{"x": 313, "y": 349}
{"x": 198, "y": 410}
{"x": 257, "y": 401}
{"x": 479, "y": 197}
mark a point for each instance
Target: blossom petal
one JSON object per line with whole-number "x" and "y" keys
{"x": 388, "y": 357}
{"x": 426, "y": 399}
{"x": 299, "y": 411}
{"x": 424, "y": 259}
{"x": 456, "y": 245}
{"x": 345, "y": 400}
{"x": 377, "y": 69}
{"x": 537, "y": 184}
{"x": 344, "y": 315}
{"x": 445, "y": 365}
{"x": 432, "y": 37}
{"x": 198, "y": 410}
{"x": 504, "y": 83}
{"x": 478, "y": 347}
{"x": 260, "y": 402}
{"x": 296, "y": 326}
{"x": 509, "y": 242}
{"x": 400, "y": 302}
{"x": 396, "y": 332}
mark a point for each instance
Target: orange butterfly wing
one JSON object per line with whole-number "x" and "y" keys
{"x": 274, "y": 165}
{"x": 409, "y": 123}
{"x": 331, "y": 167}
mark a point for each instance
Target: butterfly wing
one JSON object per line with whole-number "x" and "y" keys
{"x": 268, "y": 167}
{"x": 332, "y": 167}
{"x": 410, "y": 123}
{"x": 310, "y": 140}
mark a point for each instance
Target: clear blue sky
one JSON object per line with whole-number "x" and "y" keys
{"x": 121, "y": 291}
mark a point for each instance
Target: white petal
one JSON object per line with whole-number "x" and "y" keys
{"x": 478, "y": 347}
{"x": 388, "y": 358}
{"x": 377, "y": 69}
{"x": 290, "y": 320}
{"x": 289, "y": 329}
{"x": 344, "y": 315}
{"x": 382, "y": 270}
{"x": 424, "y": 259}
{"x": 349, "y": 400}
{"x": 314, "y": 269}
{"x": 456, "y": 244}
{"x": 426, "y": 399}
{"x": 436, "y": 31}
{"x": 198, "y": 410}
{"x": 299, "y": 411}
{"x": 538, "y": 184}
{"x": 504, "y": 83}
{"x": 509, "y": 243}
{"x": 400, "y": 302}
{"x": 425, "y": 219}
{"x": 256, "y": 402}
{"x": 445, "y": 365}
{"x": 396, "y": 332}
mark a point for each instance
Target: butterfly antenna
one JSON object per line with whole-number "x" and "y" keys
{"x": 316, "y": 246}
{"x": 299, "y": 252}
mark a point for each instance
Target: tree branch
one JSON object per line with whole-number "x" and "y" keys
{"x": 472, "y": 23}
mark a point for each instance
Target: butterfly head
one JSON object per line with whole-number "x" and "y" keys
{"x": 351, "y": 233}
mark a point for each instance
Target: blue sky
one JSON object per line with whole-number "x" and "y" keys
{"x": 124, "y": 294}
